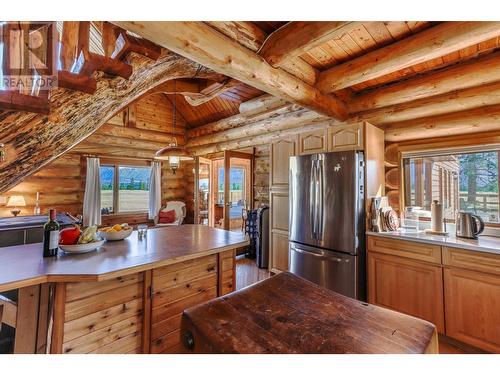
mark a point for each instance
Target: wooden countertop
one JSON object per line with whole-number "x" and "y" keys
{"x": 485, "y": 244}
{"x": 24, "y": 265}
{"x": 287, "y": 314}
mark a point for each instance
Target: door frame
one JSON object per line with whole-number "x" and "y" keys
{"x": 228, "y": 154}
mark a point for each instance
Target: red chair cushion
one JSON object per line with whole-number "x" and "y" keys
{"x": 166, "y": 217}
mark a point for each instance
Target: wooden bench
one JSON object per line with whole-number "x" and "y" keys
{"x": 287, "y": 314}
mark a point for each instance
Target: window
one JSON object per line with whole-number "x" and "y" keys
{"x": 124, "y": 188}
{"x": 461, "y": 181}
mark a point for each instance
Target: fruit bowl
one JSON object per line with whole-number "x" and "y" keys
{"x": 116, "y": 235}
{"x": 81, "y": 248}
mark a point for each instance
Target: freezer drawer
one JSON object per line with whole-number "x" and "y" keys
{"x": 339, "y": 272}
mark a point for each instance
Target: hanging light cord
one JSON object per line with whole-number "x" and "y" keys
{"x": 174, "y": 112}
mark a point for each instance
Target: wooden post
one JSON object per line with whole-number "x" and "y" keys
{"x": 196, "y": 189}
{"x": 227, "y": 208}
{"x": 27, "y": 320}
{"x": 58, "y": 319}
{"x": 43, "y": 319}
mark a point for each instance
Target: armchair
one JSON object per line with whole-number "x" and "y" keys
{"x": 180, "y": 213}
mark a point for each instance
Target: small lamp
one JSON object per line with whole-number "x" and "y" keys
{"x": 16, "y": 201}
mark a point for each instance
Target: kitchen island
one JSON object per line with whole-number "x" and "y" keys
{"x": 127, "y": 297}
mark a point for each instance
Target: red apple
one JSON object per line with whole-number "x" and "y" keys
{"x": 69, "y": 236}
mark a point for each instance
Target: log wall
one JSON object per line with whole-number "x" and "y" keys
{"x": 133, "y": 135}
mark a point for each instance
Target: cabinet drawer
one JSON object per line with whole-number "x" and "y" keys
{"x": 406, "y": 249}
{"x": 312, "y": 142}
{"x": 472, "y": 260}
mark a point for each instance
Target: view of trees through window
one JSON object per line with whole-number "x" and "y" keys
{"x": 131, "y": 194}
{"x": 462, "y": 182}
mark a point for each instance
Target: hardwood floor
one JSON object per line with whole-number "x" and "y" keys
{"x": 247, "y": 272}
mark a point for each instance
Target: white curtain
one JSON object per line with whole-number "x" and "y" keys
{"x": 92, "y": 199}
{"x": 154, "y": 190}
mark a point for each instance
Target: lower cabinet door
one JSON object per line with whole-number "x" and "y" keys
{"x": 279, "y": 252}
{"x": 411, "y": 287}
{"x": 472, "y": 301}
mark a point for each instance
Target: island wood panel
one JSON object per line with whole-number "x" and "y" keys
{"x": 103, "y": 317}
{"x": 183, "y": 285}
{"x": 407, "y": 286}
{"x": 472, "y": 301}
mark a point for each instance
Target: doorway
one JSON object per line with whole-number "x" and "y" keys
{"x": 224, "y": 202}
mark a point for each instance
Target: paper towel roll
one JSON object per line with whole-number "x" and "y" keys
{"x": 437, "y": 217}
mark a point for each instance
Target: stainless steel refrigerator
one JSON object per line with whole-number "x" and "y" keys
{"x": 327, "y": 221}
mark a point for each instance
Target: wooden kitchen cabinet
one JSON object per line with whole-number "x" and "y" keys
{"x": 472, "y": 301}
{"x": 313, "y": 142}
{"x": 279, "y": 259}
{"x": 408, "y": 286}
{"x": 345, "y": 137}
{"x": 281, "y": 151}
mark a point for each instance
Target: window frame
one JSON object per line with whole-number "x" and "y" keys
{"x": 116, "y": 164}
{"x": 411, "y": 152}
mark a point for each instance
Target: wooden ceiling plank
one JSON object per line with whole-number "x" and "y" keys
{"x": 206, "y": 46}
{"x": 296, "y": 38}
{"x": 457, "y": 77}
{"x": 424, "y": 46}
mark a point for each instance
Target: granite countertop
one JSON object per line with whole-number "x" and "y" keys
{"x": 488, "y": 244}
{"x": 24, "y": 265}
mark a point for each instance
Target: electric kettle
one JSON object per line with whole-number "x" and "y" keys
{"x": 468, "y": 225}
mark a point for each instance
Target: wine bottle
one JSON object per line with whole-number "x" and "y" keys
{"x": 51, "y": 235}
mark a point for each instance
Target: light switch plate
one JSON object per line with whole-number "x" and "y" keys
{"x": 3, "y": 200}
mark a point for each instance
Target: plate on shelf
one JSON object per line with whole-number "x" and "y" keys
{"x": 82, "y": 248}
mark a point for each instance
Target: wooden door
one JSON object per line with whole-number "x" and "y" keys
{"x": 280, "y": 160}
{"x": 313, "y": 142}
{"x": 408, "y": 286}
{"x": 472, "y": 301}
{"x": 345, "y": 137}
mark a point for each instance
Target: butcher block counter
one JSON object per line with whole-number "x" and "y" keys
{"x": 127, "y": 297}
{"x": 287, "y": 314}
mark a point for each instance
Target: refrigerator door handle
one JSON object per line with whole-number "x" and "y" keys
{"x": 312, "y": 199}
{"x": 320, "y": 199}
{"x": 330, "y": 258}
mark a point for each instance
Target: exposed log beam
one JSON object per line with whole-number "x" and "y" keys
{"x": 465, "y": 122}
{"x": 201, "y": 43}
{"x": 260, "y": 104}
{"x": 252, "y": 37}
{"x": 437, "y": 41}
{"x": 211, "y": 91}
{"x": 282, "y": 122}
{"x": 295, "y": 38}
{"x": 12, "y": 100}
{"x": 456, "y": 101}
{"x": 31, "y": 141}
{"x": 473, "y": 73}
{"x": 264, "y": 138}
{"x": 241, "y": 119}
{"x": 69, "y": 44}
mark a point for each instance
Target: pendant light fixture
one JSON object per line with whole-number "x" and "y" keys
{"x": 173, "y": 153}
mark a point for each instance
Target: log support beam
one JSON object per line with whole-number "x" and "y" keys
{"x": 201, "y": 43}
{"x": 429, "y": 44}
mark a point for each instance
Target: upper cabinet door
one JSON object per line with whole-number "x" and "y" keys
{"x": 281, "y": 151}
{"x": 345, "y": 137}
{"x": 313, "y": 142}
